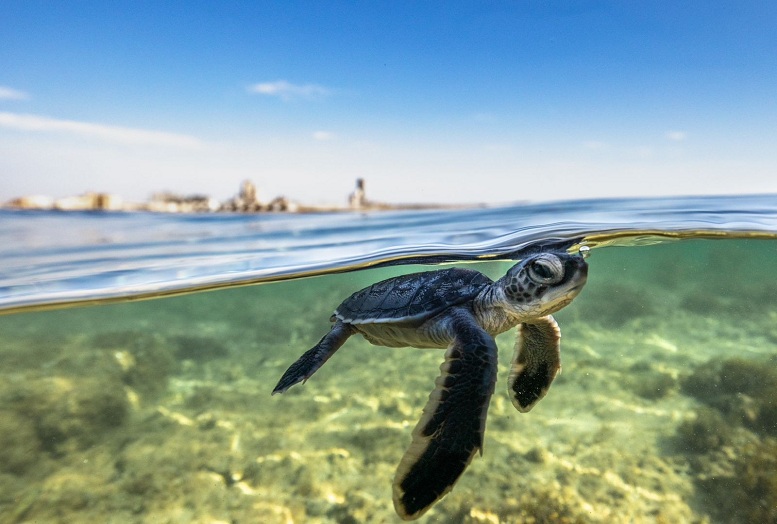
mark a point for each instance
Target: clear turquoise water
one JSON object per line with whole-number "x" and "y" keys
{"x": 160, "y": 410}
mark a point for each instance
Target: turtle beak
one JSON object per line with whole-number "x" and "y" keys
{"x": 577, "y": 267}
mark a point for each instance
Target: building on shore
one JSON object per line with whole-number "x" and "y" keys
{"x": 246, "y": 201}
{"x": 167, "y": 202}
{"x": 31, "y": 202}
{"x": 282, "y": 204}
{"x": 358, "y": 199}
{"x": 90, "y": 201}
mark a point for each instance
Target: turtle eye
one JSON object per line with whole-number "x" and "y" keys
{"x": 543, "y": 272}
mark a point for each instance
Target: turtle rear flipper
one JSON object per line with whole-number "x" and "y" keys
{"x": 536, "y": 362}
{"x": 315, "y": 357}
{"x": 454, "y": 419}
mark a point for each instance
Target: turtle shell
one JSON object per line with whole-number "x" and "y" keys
{"x": 413, "y": 297}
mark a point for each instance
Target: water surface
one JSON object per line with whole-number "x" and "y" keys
{"x": 160, "y": 410}
{"x": 51, "y": 258}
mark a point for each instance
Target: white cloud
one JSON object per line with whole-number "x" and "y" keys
{"x": 6, "y": 93}
{"x": 288, "y": 91}
{"x": 323, "y": 136}
{"x": 115, "y": 134}
{"x": 676, "y": 136}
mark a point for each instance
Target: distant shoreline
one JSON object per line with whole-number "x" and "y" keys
{"x": 245, "y": 201}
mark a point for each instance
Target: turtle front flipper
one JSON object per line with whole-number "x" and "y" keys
{"x": 453, "y": 422}
{"x": 315, "y": 357}
{"x": 536, "y": 361}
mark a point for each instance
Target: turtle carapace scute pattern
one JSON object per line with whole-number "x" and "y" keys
{"x": 404, "y": 298}
{"x": 461, "y": 311}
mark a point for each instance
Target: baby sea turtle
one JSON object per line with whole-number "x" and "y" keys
{"x": 461, "y": 310}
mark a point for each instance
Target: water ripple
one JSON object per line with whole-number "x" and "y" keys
{"x": 51, "y": 258}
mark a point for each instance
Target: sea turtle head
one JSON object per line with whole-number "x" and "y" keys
{"x": 542, "y": 284}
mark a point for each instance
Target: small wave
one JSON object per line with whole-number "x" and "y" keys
{"x": 54, "y": 259}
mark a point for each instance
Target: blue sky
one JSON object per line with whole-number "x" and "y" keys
{"x": 428, "y": 101}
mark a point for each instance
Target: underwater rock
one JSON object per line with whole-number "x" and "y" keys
{"x": 744, "y": 391}
{"x": 344, "y": 514}
{"x": 766, "y": 420}
{"x": 704, "y": 382}
{"x": 69, "y": 491}
{"x": 748, "y": 493}
{"x": 19, "y": 445}
{"x": 541, "y": 505}
{"x": 69, "y": 412}
{"x": 738, "y": 375}
{"x": 736, "y": 472}
{"x": 705, "y": 433}
{"x": 536, "y": 455}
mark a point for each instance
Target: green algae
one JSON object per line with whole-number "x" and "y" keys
{"x": 744, "y": 391}
{"x": 707, "y": 431}
{"x": 734, "y": 437}
{"x": 744, "y": 488}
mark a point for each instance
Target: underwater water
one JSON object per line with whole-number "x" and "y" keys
{"x": 160, "y": 410}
